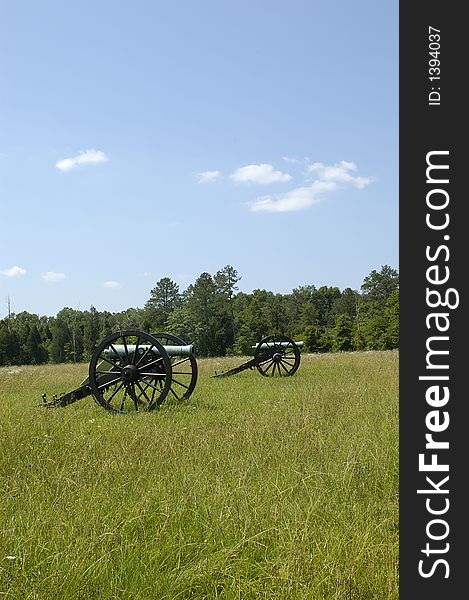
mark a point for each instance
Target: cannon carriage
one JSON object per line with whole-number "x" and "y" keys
{"x": 132, "y": 370}
{"x": 275, "y": 355}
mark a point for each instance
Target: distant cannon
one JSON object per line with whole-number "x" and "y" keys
{"x": 132, "y": 370}
{"x": 274, "y": 355}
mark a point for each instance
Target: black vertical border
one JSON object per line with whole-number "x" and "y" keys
{"x": 424, "y": 128}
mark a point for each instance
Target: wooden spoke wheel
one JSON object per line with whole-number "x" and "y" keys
{"x": 184, "y": 368}
{"x": 130, "y": 371}
{"x": 277, "y": 355}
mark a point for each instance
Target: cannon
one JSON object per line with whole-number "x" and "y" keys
{"x": 273, "y": 355}
{"x": 132, "y": 370}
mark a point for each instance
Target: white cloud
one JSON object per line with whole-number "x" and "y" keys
{"x": 13, "y": 272}
{"x": 52, "y": 277}
{"x": 208, "y": 176}
{"x": 85, "y": 157}
{"x": 320, "y": 179}
{"x": 340, "y": 173}
{"x": 112, "y": 285}
{"x": 263, "y": 174}
{"x": 295, "y": 161}
{"x": 297, "y": 199}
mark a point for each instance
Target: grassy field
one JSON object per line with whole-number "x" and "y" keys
{"x": 254, "y": 488}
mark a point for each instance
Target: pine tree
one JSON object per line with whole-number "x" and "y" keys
{"x": 164, "y": 298}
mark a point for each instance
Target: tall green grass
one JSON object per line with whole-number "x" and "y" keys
{"x": 254, "y": 488}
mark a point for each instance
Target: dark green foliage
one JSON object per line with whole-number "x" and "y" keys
{"x": 392, "y": 315}
{"x": 209, "y": 310}
{"x": 36, "y": 354}
{"x": 60, "y": 343}
{"x": 342, "y": 334}
{"x": 219, "y": 320}
{"x": 325, "y": 340}
{"x": 347, "y": 303}
{"x": 378, "y": 311}
{"x": 311, "y": 337}
{"x": 251, "y": 319}
{"x": 324, "y": 299}
{"x": 225, "y": 281}
{"x": 379, "y": 286}
{"x": 164, "y": 299}
{"x": 128, "y": 319}
{"x": 106, "y": 324}
{"x": 9, "y": 344}
{"x": 91, "y": 337}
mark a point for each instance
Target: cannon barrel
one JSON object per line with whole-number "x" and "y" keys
{"x": 171, "y": 351}
{"x": 124, "y": 377}
{"x": 281, "y": 344}
{"x": 273, "y": 355}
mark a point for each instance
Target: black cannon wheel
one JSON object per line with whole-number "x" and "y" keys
{"x": 282, "y": 356}
{"x": 130, "y": 371}
{"x": 184, "y": 368}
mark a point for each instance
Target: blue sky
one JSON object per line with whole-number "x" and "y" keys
{"x": 144, "y": 139}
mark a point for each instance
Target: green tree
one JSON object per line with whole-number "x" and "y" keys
{"x": 380, "y": 325}
{"x": 164, "y": 299}
{"x": 131, "y": 318}
{"x": 391, "y": 337}
{"x": 347, "y": 303}
{"x": 379, "y": 286}
{"x": 225, "y": 287}
{"x": 210, "y": 323}
{"x": 324, "y": 299}
{"x": 9, "y": 344}
{"x": 277, "y": 314}
{"x": 308, "y": 316}
{"x": 35, "y": 351}
{"x": 45, "y": 333}
{"x": 324, "y": 340}
{"x": 60, "y": 342}
{"x": 225, "y": 281}
{"x": 106, "y": 324}
{"x": 91, "y": 332}
{"x": 311, "y": 336}
{"x": 25, "y": 328}
{"x": 301, "y": 310}
{"x": 182, "y": 323}
{"x": 342, "y": 334}
{"x": 378, "y": 311}
{"x": 253, "y": 321}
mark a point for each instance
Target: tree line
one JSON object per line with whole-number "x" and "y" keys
{"x": 219, "y": 319}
